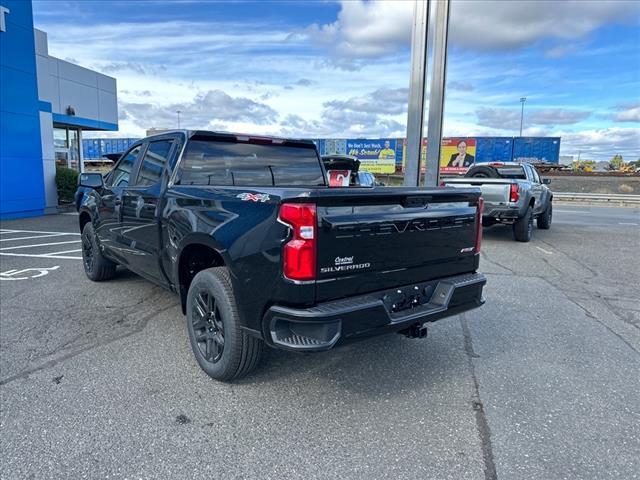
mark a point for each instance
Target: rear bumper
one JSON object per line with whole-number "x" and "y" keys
{"x": 331, "y": 323}
{"x": 504, "y": 212}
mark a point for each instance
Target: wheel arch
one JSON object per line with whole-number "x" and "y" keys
{"x": 528, "y": 201}
{"x": 83, "y": 219}
{"x": 197, "y": 253}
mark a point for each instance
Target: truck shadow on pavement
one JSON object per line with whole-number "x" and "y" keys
{"x": 390, "y": 365}
{"x": 500, "y": 233}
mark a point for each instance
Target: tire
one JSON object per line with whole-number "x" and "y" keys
{"x": 483, "y": 172}
{"x": 544, "y": 220}
{"x": 96, "y": 266}
{"x": 222, "y": 349}
{"x": 523, "y": 228}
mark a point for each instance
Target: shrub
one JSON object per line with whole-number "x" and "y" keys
{"x": 67, "y": 183}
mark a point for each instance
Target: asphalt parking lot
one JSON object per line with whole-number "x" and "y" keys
{"x": 542, "y": 382}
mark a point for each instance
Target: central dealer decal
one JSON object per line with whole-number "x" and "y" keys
{"x": 344, "y": 264}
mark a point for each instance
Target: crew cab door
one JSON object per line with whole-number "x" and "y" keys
{"x": 110, "y": 208}
{"x": 141, "y": 206}
{"x": 536, "y": 187}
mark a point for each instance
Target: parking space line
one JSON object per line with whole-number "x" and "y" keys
{"x": 544, "y": 251}
{"x": 66, "y": 251}
{"x": 48, "y": 255}
{"x": 4, "y": 230}
{"x": 35, "y": 236}
{"x": 38, "y": 245}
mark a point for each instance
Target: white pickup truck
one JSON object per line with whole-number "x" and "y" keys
{"x": 513, "y": 194}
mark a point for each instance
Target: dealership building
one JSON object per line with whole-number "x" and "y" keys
{"x": 46, "y": 105}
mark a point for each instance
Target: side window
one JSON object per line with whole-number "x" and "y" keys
{"x": 530, "y": 176}
{"x": 120, "y": 176}
{"x": 153, "y": 162}
{"x": 536, "y": 177}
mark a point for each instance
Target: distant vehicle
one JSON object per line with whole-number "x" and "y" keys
{"x": 260, "y": 251}
{"x": 339, "y": 167}
{"x": 513, "y": 194}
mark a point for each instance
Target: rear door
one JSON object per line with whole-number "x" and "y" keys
{"x": 141, "y": 204}
{"x": 370, "y": 240}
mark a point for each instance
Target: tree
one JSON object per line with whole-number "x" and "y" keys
{"x": 617, "y": 162}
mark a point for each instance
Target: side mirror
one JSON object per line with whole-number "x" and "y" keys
{"x": 90, "y": 180}
{"x": 546, "y": 181}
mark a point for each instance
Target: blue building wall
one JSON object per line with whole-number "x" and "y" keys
{"x": 21, "y": 174}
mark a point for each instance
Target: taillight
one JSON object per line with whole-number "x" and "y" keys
{"x": 514, "y": 195}
{"x": 479, "y": 224}
{"x": 299, "y": 253}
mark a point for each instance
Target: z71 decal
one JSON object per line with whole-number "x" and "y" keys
{"x": 253, "y": 197}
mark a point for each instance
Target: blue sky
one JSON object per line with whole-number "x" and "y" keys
{"x": 330, "y": 69}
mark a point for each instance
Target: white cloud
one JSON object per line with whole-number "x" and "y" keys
{"x": 628, "y": 113}
{"x": 369, "y": 29}
{"x": 510, "y": 118}
{"x": 365, "y": 29}
{"x": 497, "y": 24}
{"x": 213, "y": 107}
{"x": 460, "y": 86}
{"x": 602, "y": 144}
{"x": 390, "y": 101}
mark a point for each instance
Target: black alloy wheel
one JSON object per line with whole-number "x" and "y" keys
{"x": 208, "y": 326}
{"x": 87, "y": 251}
{"x": 97, "y": 267}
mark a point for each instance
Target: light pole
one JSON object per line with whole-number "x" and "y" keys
{"x": 522, "y": 100}
{"x": 178, "y": 112}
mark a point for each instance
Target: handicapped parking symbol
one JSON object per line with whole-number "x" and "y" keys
{"x": 26, "y": 273}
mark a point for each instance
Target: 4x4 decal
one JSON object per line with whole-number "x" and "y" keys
{"x": 253, "y": 197}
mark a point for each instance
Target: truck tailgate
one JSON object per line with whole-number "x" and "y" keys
{"x": 370, "y": 240}
{"x": 494, "y": 191}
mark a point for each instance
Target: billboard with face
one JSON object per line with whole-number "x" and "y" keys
{"x": 376, "y": 156}
{"x": 457, "y": 154}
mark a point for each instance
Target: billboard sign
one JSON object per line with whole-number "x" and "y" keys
{"x": 376, "y": 156}
{"x": 457, "y": 154}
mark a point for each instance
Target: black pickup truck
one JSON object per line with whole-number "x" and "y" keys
{"x": 261, "y": 250}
